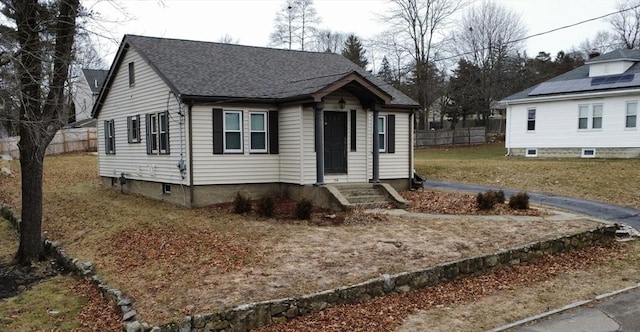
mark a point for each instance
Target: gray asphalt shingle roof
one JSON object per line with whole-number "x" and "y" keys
{"x": 95, "y": 78}
{"x": 207, "y": 69}
{"x": 580, "y": 76}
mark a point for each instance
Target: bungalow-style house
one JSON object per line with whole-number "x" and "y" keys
{"x": 87, "y": 89}
{"x": 591, "y": 111}
{"x": 196, "y": 122}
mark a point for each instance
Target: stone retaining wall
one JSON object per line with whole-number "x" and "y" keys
{"x": 248, "y": 316}
{"x": 252, "y": 315}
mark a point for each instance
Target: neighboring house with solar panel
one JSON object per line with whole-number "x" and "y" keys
{"x": 87, "y": 89}
{"x": 195, "y": 123}
{"x": 591, "y": 111}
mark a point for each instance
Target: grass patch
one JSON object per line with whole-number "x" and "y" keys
{"x": 49, "y": 305}
{"x": 606, "y": 180}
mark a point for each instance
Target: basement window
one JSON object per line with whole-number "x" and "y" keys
{"x": 166, "y": 189}
{"x": 531, "y": 153}
{"x": 588, "y": 153}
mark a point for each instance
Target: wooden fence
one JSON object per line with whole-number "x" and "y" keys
{"x": 66, "y": 140}
{"x": 470, "y": 135}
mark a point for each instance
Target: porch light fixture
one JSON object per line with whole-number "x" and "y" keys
{"x": 342, "y": 103}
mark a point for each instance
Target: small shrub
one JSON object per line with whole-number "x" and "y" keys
{"x": 500, "y": 197}
{"x": 487, "y": 200}
{"x": 519, "y": 201}
{"x": 241, "y": 204}
{"x": 267, "y": 206}
{"x": 304, "y": 208}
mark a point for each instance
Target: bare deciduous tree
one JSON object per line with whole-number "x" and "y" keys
{"x": 295, "y": 23}
{"x": 421, "y": 22}
{"x": 488, "y": 33}
{"x": 44, "y": 33}
{"x": 603, "y": 42}
{"x": 329, "y": 41}
{"x": 626, "y": 24}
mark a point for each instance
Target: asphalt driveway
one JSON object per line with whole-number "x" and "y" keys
{"x": 610, "y": 212}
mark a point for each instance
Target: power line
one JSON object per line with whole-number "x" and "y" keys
{"x": 544, "y": 32}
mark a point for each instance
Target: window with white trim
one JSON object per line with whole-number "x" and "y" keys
{"x": 133, "y": 129}
{"x": 109, "y": 137}
{"x": 158, "y": 133}
{"x": 132, "y": 74}
{"x": 258, "y": 132}
{"x": 631, "y": 119}
{"x": 531, "y": 119}
{"x": 382, "y": 133}
{"x": 232, "y": 131}
{"x": 590, "y": 116}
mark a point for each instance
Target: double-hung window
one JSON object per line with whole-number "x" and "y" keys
{"x": 233, "y": 131}
{"x": 631, "y": 120}
{"x": 133, "y": 129}
{"x": 158, "y": 133}
{"x": 109, "y": 137}
{"x": 258, "y": 132}
{"x": 531, "y": 119}
{"x": 382, "y": 133}
{"x": 590, "y": 116}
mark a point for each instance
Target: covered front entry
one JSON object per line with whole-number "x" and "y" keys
{"x": 335, "y": 142}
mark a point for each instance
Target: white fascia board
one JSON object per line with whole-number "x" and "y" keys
{"x": 571, "y": 96}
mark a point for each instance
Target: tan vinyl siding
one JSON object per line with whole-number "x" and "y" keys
{"x": 392, "y": 165}
{"x": 149, "y": 95}
{"x": 309, "y": 157}
{"x": 229, "y": 168}
{"x": 290, "y": 145}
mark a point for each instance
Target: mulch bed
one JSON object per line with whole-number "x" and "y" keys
{"x": 457, "y": 203}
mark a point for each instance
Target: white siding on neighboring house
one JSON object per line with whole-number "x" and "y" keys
{"x": 556, "y": 125}
{"x": 149, "y": 95}
{"x": 82, "y": 99}
{"x": 229, "y": 168}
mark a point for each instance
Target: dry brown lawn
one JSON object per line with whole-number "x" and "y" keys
{"x": 174, "y": 261}
{"x": 607, "y": 180}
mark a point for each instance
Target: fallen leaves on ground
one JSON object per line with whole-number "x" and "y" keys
{"x": 167, "y": 246}
{"x": 429, "y": 201}
{"x": 386, "y": 313}
{"x": 98, "y": 314}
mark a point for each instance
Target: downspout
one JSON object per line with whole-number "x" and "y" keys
{"x": 411, "y": 137}
{"x": 190, "y": 152}
{"x": 508, "y": 140}
{"x": 319, "y": 142}
{"x": 376, "y": 144}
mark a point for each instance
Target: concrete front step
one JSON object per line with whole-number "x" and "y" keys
{"x": 366, "y": 198}
{"x": 366, "y": 195}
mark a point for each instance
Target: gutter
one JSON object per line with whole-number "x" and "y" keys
{"x": 583, "y": 95}
{"x": 190, "y": 142}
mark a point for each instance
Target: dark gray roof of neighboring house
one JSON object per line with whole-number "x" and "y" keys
{"x": 95, "y": 78}
{"x": 206, "y": 69}
{"x": 578, "y": 80}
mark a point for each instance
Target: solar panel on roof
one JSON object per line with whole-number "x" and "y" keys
{"x": 586, "y": 84}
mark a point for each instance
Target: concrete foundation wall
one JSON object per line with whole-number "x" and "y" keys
{"x": 577, "y": 152}
{"x": 215, "y": 194}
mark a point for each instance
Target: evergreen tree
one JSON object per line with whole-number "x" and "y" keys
{"x": 353, "y": 51}
{"x": 385, "y": 72}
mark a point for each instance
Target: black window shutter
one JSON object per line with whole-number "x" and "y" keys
{"x": 137, "y": 129}
{"x": 106, "y": 137}
{"x": 129, "y": 136}
{"x": 166, "y": 119}
{"x": 353, "y": 130}
{"x": 391, "y": 132}
{"x": 217, "y": 131}
{"x": 147, "y": 124}
{"x": 273, "y": 133}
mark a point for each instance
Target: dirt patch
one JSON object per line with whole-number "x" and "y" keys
{"x": 430, "y": 201}
{"x": 15, "y": 279}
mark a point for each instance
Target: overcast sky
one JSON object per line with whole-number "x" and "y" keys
{"x": 251, "y": 21}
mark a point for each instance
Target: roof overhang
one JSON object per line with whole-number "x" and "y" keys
{"x": 357, "y": 85}
{"x": 542, "y": 99}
